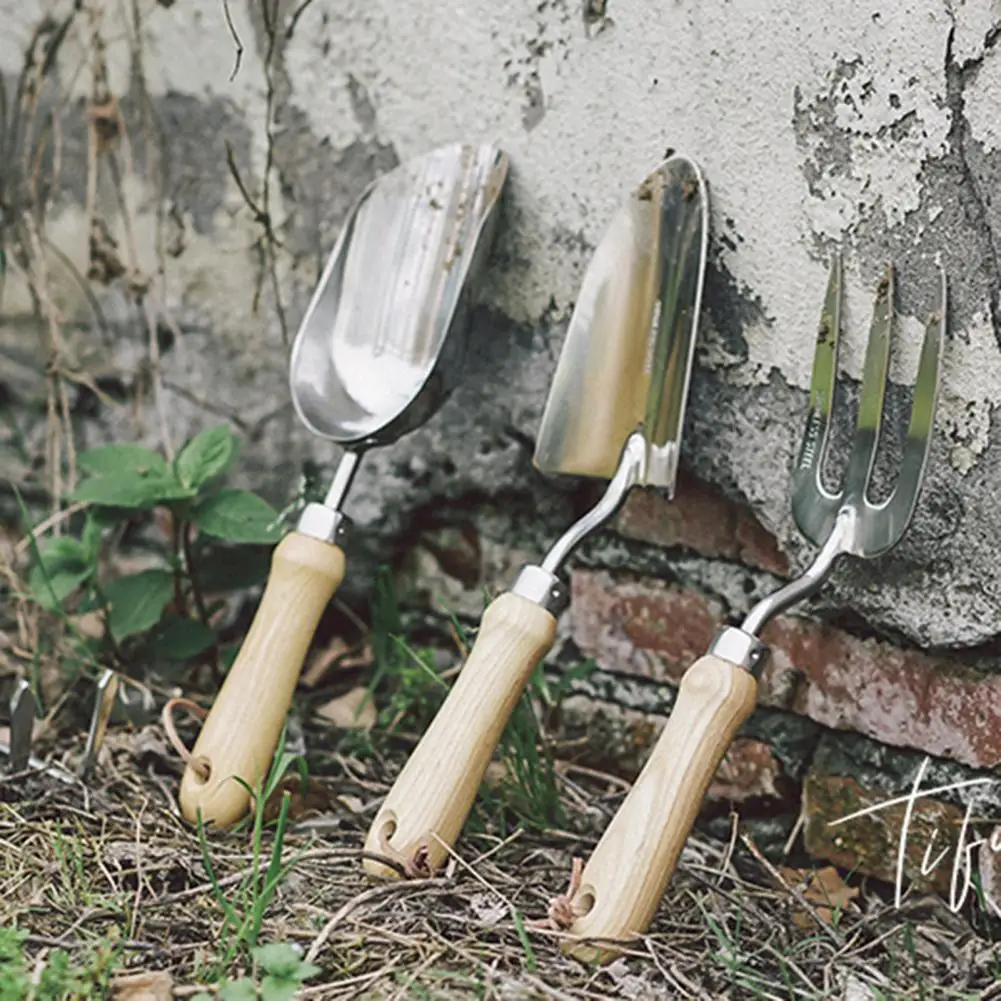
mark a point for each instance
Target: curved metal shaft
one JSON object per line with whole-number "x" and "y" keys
{"x": 629, "y": 473}
{"x": 811, "y": 580}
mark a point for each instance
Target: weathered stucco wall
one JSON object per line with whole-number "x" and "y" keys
{"x": 876, "y": 130}
{"x": 873, "y": 128}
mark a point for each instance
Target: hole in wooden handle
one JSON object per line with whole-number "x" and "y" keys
{"x": 387, "y": 828}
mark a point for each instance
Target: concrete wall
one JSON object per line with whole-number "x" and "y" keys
{"x": 871, "y": 127}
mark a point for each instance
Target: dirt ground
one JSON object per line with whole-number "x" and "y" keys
{"x": 110, "y": 873}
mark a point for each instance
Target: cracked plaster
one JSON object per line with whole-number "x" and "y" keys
{"x": 872, "y": 131}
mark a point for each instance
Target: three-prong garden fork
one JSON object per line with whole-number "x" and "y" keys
{"x": 622, "y": 884}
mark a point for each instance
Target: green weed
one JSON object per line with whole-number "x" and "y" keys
{"x": 206, "y": 538}
{"x": 244, "y": 910}
{"x": 284, "y": 972}
{"x": 60, "y": 978}
{"x": 404, "y": 681}
{"x": 408, "y": 686}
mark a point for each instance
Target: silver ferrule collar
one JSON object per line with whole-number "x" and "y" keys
{"x": 320, "y": 522}
{"x": 543, "y": 588}
{"x": 737, "y": 647}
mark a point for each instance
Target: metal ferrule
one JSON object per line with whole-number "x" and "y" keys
{"x": 543, "y": 588}
{"x": 662, "y": 465}
{"x": 320, "y": 522}
{"x": 737, "y": 647}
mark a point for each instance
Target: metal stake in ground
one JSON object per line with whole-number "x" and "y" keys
{"x": 114, "y": 691}
{"x": 23, "y": 710}
{"x": 378, "y": 351}
{"x": 626, "y": 876}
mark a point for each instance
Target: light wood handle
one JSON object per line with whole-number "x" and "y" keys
{"x": 626, "y": 876}
{"x": 241, "y": 731}
{"x": 437, "y": 787}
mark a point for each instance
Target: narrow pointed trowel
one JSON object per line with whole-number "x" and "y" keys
{"x": 615, "y": 410}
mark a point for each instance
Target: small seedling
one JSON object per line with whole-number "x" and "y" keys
{"x": 284, "y": 972}
{"x": 57, "y": 977}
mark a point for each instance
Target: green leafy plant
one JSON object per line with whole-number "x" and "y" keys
{"x": 281, "y": 972}
{"x": 204, "y": 537}
{"x": 60, "y": 978}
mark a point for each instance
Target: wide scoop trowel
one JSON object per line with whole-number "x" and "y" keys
{"x": 378, "y": 351}
{"x": 615, "y": 410}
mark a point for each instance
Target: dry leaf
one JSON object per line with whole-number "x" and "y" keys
{"x": 89, "y": 624}
{"x": 488, "y": 908}
{"x": 316, "y": 799}
{"x": 353, "y": 711}
{"x": 857, "y": 990}
{"x": 322, "y": 661}
{"x": 363, "y": 658}
{"x": 143, "y": 987}
{"x": 353, "y": 803}
{"x": 339, "y": 654}
{"x": 823, "y": 888}
{"x": 149, "y": 745}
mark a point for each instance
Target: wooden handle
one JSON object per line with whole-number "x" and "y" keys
{"x": 436, "y": 789}
{"x": 625, "y": 878}
{"x": 241, "y": 731}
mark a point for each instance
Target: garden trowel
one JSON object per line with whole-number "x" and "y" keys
{"x": 381, "y": 346}
{"x": 615, "y": 411}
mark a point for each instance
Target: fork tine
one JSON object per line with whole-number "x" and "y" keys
{"x": 886, "y": 522}
{"x": 870, "y": 409}
{"x": 814, "y": 507}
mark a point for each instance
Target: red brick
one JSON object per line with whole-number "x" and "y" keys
{"x": 900, "y": 697}
{"x": 749, "y": 770}
{"x": 637, "y": 626}
{"x": 702, "y": 519}
{"x": 611, "y": 738}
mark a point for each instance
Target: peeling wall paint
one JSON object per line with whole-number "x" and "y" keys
{"x": 982, "y": 100}
{"x": 873, "y": 131}
{"x": 866, "y": 95}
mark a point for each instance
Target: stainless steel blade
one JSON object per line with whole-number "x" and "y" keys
{"x": 22, "y": 725}
{"x": 106, "y": 691}
{"x": 628, "y": 352}
{"x": 378, "y": 349}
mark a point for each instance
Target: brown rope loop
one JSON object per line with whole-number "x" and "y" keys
{"x": 416, "y": 865}
{"x": 562, "y": 910}
{"x": 199, "y": 765}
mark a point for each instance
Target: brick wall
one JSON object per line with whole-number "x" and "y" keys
{"x": 844, "y": 720}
